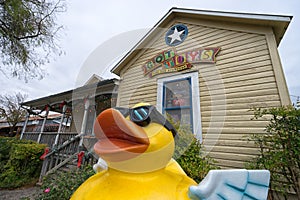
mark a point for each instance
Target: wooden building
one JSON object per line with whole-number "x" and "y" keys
{"x": 34, "y": 124}
{"x": 78, "y": 108}
{"x": 207, "y": 69}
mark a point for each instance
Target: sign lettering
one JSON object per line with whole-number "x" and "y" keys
{"x": 169, "y": 61}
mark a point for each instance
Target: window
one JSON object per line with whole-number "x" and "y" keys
{"x": 177, "y": 100}
{"x": 179, "y": 97}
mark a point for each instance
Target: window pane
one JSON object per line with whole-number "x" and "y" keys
{"x": 177, "y": 93}
{"x": 181, "y": 115}
{"x": 186, "y": 85}
{"x": 177, "y": 100}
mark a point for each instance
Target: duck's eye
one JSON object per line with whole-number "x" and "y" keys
{"x": 140, "y": 116}
{"x": 143, "y": 115}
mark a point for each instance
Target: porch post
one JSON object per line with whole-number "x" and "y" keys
{"x": 60, "y": 125}
{"x": 43, "y": 125}
{"x": 64, "y": 108}
{"x": 84, "y": 122}
{"x": 67, "y": 124}
{"x": 25, "y": 125}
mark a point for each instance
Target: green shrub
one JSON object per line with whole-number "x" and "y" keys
{"x": 19, "y": 161}
{"x": 279, "y": 149}
{"x": 189, "y": 154}
{"x": 194, "y": 163}
{"x": 61, "y": 185}
{"x": 6, "y": 144}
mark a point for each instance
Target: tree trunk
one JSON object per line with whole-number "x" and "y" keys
{"x": 11, "y": 131}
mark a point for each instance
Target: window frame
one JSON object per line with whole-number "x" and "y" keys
{"x": 189, "y": 107}
{"x": 195, "y": 98}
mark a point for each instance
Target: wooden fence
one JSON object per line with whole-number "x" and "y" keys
{"x": 50, "y": 138}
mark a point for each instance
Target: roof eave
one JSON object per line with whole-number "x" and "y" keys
{"x": 166, "y": 18}
{"x": 70, "y": 95}
{"x": 279, "y": 24}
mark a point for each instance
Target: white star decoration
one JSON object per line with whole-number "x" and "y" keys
{"x": 175, "y": 36}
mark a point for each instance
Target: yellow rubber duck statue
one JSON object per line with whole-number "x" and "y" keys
{"x": 137, "y": 145}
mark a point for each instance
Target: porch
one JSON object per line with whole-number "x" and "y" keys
{"x": 72, "y": 141}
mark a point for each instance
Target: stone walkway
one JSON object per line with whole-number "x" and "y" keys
{"x": 21, "y": 193}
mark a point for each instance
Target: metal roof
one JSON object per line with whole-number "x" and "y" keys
{"x": 102, "y": 87}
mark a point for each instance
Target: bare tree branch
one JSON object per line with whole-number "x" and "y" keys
{"x": 11, "y": 110}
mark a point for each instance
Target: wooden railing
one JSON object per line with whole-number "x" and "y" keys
{"x": 63, "y": 150}
{"x": 60, "y": 156}
{"x": 30, "y": 136}
{"x": 66, "y": 154}
{"x": 50, "y": 138}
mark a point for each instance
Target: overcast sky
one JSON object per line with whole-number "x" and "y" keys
{"x": 92, "y": 25}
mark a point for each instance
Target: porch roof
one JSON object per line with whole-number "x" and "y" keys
{"x": 87, "y": 91}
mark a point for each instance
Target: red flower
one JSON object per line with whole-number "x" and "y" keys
{"x": 47, "y": 190}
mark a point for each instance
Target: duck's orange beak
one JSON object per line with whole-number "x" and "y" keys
{"x": 119, "y": 138}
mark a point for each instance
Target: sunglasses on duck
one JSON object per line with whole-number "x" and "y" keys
{"x": 144, "y": 115}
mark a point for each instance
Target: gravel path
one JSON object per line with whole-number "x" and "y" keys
{"x": 21, "y": 193}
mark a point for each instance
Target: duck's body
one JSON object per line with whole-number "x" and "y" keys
{"x": 139, "y": 160}
{"x": 138, "y": 152}
{"x": 169, "y": 183}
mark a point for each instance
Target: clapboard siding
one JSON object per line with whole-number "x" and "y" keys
{"x": 229, "y": 164}
{"x": 236, "y": 130}
{"x": 242, "y": 90}
{"x": 236, "y": 124}
{"x": 264, "y": 92}
{"x": 239, "y": 106}
{"x": 225, "y": 136}
{"x": 242, "y": 78}
{"x": 235, "y": 150}
{"x": 222, "y": 60}
{"x": 231, "y": 156}
{"x": 246, "y": 100}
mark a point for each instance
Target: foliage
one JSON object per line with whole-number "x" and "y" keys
{"x": 189, "y": 153}
{"x": 62, "y": 185}
{"x": 6, "y": 144}
{"x": 280, "y": 149}
{"x": 11, "y": 110}
{"x": 194, "y": 163}
{"x": 20, "y": 162}
{"x": 27, "y": 28}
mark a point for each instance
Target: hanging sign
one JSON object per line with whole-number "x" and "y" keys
{"x": 170, "y": 61}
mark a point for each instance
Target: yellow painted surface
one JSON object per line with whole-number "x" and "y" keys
{"x": 150, "y": 175}
{"x": 169, "y": 183}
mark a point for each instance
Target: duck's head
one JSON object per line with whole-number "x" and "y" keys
{"x": 135, "y": 140}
